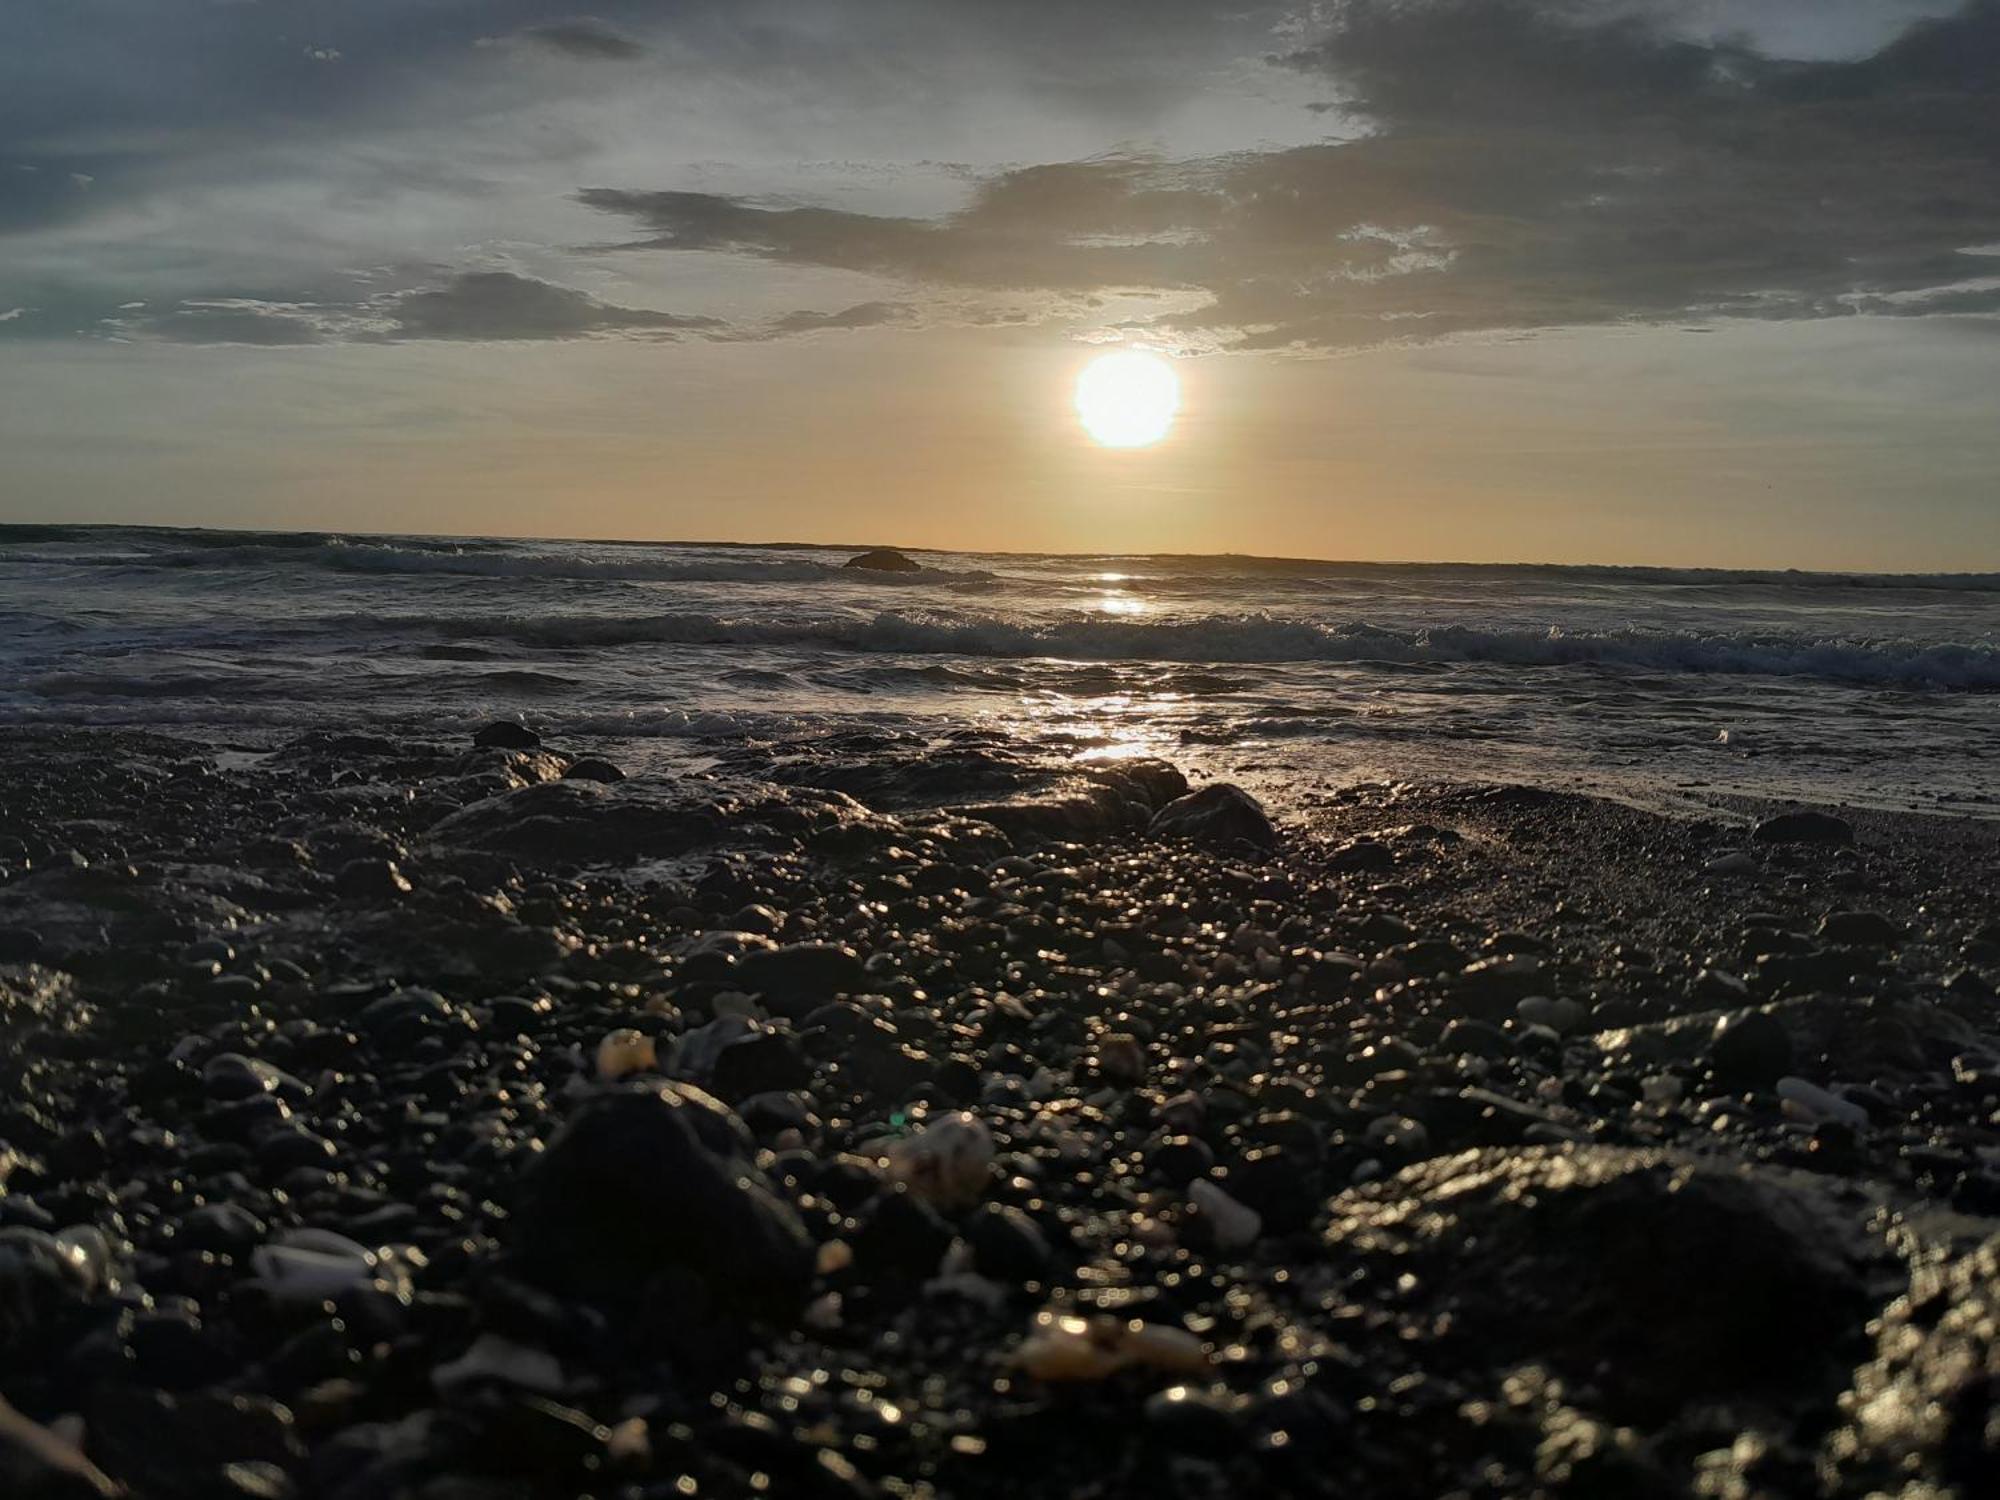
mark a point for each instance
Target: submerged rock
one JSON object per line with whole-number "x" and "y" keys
{"x": 1219, "y": 814}
{"x": 505, "y": 734}
{"x": 649, "y": 1178}
{"x": 884, "y": 560}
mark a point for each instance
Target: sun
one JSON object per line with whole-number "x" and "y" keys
{"x": 1128, "y": 399}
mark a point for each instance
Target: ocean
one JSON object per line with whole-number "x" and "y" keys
{"x": 1660, "y": 685}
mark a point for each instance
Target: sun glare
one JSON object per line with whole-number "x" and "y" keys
{"x": 1128, "y": 399}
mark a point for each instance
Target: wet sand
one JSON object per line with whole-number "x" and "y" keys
{"x": 899, "y": 1116}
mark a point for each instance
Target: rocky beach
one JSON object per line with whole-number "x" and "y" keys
{"x": 926, "y": 1114}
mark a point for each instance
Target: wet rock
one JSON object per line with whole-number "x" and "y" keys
{"x": 590, "y": 768}
{"x": 948, "y": 1163}
{"x": 1218, "y": 815}
{"x": 37, "y": 1463}
{"x": 1749, "y": 1049}
{"x": 506, "y": 734}
{"x": 1007, "y": 1246}
{"x": 796, "y": 979}
{"x": 1231, "y": 1225}
{"x": 1804, "y": 828}
{"x": 1860, "y": 929}
{"x": 899, "y": 1236}
{"x": 650, "y": 1177}
{"x": 883, "y": 560}
{"x": 1763, "y": 1270}
{"x": 1925, "y": 1414}
{"x": 372, "y": 880}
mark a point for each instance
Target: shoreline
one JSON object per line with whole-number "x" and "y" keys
{"x": 1469, "y": 1139}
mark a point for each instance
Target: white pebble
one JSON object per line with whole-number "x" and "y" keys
{"x": 503, "y": 1362}
{"x": 1810, "y": 1102}
{"x": 948, "y": 1162}
{"x": 624, "y": 1052}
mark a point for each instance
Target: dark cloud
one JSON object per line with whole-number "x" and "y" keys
{"x": 861, "y": 315}
{"x": 489, "y": 306}
{"x": 585, "y": 37}
{"x": 1526, "y": 164}
{"x": 502, "y": 305}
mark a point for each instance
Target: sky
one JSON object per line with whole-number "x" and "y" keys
{"x": 1706, "y": 283}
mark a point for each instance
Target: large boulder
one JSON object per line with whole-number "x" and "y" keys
{"x": 1653, "y": 1278}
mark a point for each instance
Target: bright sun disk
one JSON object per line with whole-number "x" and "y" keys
{"x": 1128, "y": 399}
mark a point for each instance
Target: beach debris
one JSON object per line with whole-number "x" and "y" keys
{"x": 1220, "y": 814}
{"x": 624, "y": 1052}
{"x": 947, "y": 1164}
{"x": 1066, "y": 1346}
{"x": 1231, "y": 1224}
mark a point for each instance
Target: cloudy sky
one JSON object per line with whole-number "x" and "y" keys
{"x": 1577, "y": 280}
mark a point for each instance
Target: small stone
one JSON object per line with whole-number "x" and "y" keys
{"x": 493, "y": 1360}
{"x": 1735, "y": 863}
{"x": 37, "y": 1463}
{"x": 1804, "y": 828}
{"x": 1064, "y": 1347}
{"x": 1561, "y": 1016}
{"x": 1007, "y": 1245}
{"x": 1232, "y": 1225}
{"x": 949, "y": 1162}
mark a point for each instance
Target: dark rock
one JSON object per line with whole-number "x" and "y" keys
{"x": 765, "y": 1062}
{"x": 1362, "y": 854}
{"x": 884, "y": 560}
{"x": 1749, "y": 1049}
{"x": 798, "y": 978}
{"x": 899, "y": 1237}
{"x": 592, "y": 769}
{"x": 661, "y": 1176}
{"x": 1218, "y": 815}
{"x": 36, "y": 1464}
{"x": 371, "y": 880}
{"x": 1661, "y": 1278}
{"x": 1007, "y": 1246}
{"x": 1860, "y": 929}
{"x": 1804, "y": 828}
{"x": 505, "y": 734}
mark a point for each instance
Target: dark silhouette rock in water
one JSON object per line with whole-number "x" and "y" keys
{"x": 661, "y": 1179}
{"x": 1222, "y": 813}
{"x": 884, "y": 560}
{"x": 505, "y": 734}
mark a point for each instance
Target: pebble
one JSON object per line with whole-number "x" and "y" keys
{"x": 1810, "y": 1102}
{"x": 37, "y": 1463}
{"x": 1749, "y": 1049}
{"x": 1560, "y": 1015}
{"x": 1063, "y": 1347}
{"x": 311, "y": 1265}
{"x": 948, "y": 1163}
{"x": 494, "y": 1360}
{"x": 1232, "y": 1225}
